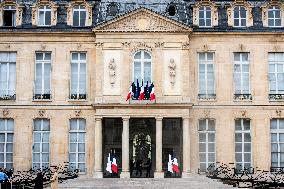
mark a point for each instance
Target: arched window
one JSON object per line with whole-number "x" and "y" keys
{"x": 142, "y": 67}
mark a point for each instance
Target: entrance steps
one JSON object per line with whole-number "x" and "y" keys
{"x": 193, "y": 182}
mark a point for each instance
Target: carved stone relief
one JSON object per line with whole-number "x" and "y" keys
{"x": 112, "y": 67}
{"x": 172, "y": 71}
{"x": 5, "y": 112}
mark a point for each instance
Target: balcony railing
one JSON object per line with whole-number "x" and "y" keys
{"x": 42, "y": 97}
{"x": 276, "y": 97}
{"x": 242, "y": 97}
{"x": 78, "y": 96}
{"x": 7, "y": 97}
{"x": 206, "y": 96}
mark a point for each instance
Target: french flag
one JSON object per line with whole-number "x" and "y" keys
{"x": 114, "y": 165}
{"x": 142, "y": 94}
{"x": 130, "y": 93}
{"x": 109, "y": 164}
{"x": 175, "y": 166}
{"x": 152, "y": 94}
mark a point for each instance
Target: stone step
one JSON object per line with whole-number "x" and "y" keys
{"x": 194, "y": 182}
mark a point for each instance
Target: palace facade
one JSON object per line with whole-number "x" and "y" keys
{"x": 66, "y": 67}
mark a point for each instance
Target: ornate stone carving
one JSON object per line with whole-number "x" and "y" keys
{"x": 41, "y": 113}
{"x": 79, "y": 46}
{"x": 112, "y": 67}
{"x": 142, "y": 46}
{"x": 5, "y": 112}
{"x": 78, "y": 113}
{"x": 278, "y": 112}
{"x": 241, "y": 47}
{"x": 243, "y": 113}
{"x": 205, "y": 48}
{"x": 206, "y": 113}
{"x": 172, "y": 71}
{"x": 125, "y": 44}
{"x": 99, "y": 44}
{"x": 142, "y": 20}
{"x": 159, "y": 44}
{"x": 43, "y": 47}
{"x": 185, "y": 45}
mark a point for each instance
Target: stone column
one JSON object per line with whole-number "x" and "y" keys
{"x": 98, "y": 148}
{"x": 125, "y": 148}
{"x": 159, "y": 130}
{"x": 186, "y": 147}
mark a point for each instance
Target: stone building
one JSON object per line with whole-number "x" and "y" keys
{"x": 217, "y": 68}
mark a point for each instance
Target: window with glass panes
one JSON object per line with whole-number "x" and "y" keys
{"x": 43, "y": 76}
{"x": 44, "y": 16}
{"x": 78, "y": 76}
{"x": 274, "y": 16}
{"x": 41, "y": 132}
{"x": 77, "y": 152}
{"x": 205, "y": 16}
{"x": 7, "y": 75}
{"x": 241, "y": 73}
{"x": 242, "y": 144}
{"x": 9, "y": 16}
{"x": 79, "y": 15}
{"x": 142, "y": 67}
{"x": 240, "y": 16}
{"x": 6, "y": 143}
{"x": 206, "y": 134}
{"x": 277, "y": 142}
{"x": 206, "y": 75}
{"x": 276, "y": 73}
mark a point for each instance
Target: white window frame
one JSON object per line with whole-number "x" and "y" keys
{"x": 275, "y": 72}
{"x": 206, "y": 62}
{"x": 205, "y": 12}
{"x": 41, "y": 143}
{"x": 14, "y": 17}
{"x": 77, "y": 132}
{"x": 243, "y": 142}
{"x": 273, "y": 9}
{"x": 239, "y": 18}
{"x": 142, "y": 62}
{"x": 44, "y": 9}
{"x": 42, "y": 62}
{"x": 277, "y": 131}
{"x": 78, "y": 62}
{"x": 6, "y": 132}
{"x": 242, "y": 63}
{"x": 207, "y": 132}
{"x": 6, "y": 93}
{"x": 80, "y": 9}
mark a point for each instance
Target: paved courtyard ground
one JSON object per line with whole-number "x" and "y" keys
{"x": 194, "y": 182}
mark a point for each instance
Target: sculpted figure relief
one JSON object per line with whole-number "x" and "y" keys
{"x": 172, "y": 67}
{"x": 112, "y": 67}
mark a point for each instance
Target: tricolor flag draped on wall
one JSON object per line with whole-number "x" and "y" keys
{"x": 130, "y": 93}
{"x": 142, "y": 94}
{"x": 173, "y": 165}
{"x": 108, "y": 167}
{"x": 114, "y": 165}
{"x": 152, "y": 94}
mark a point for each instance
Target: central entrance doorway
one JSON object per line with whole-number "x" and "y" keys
{"x": 142, "y": 148}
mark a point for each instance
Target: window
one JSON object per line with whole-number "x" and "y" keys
{"x": 277, "y": 142}
{"x": 112, "y": 9}
{"x": 276, "y": 74}
{"x": 79, "y": 15}
{"x": 77, "y": 144}
{"x": 44, "y": 15}
{"x": 43, "y": 76}
{"x": 172, "y": 10}
{"x": 240, "y": 16}
{"x": 206, "y": 143}
{"x": 78, "y": 76}
{"x": 241, "y": 75}
{"x": 41, "y": 133}
{"x": 142, "y": 67}
{"x": 9, "y": 16}
{"x": 205, "y": 16}
{"x": 242, "y": 144}
{"x": 7, "y": 76}
{"x": 6, "y": 143}
{"x": 274, "y": 17}
{"x": 206, "y": 76}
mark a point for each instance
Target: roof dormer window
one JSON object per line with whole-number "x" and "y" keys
{"x": 9, "y": 16}
{"x": 44, "y": 15}
{"x": 79, "y": 15}
{"x": 205, "y": 16}
{"x": 274, "y": 16}
{"x": 240, "y": 16}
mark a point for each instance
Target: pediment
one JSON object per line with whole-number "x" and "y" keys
{"x": 142, "y": 20}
